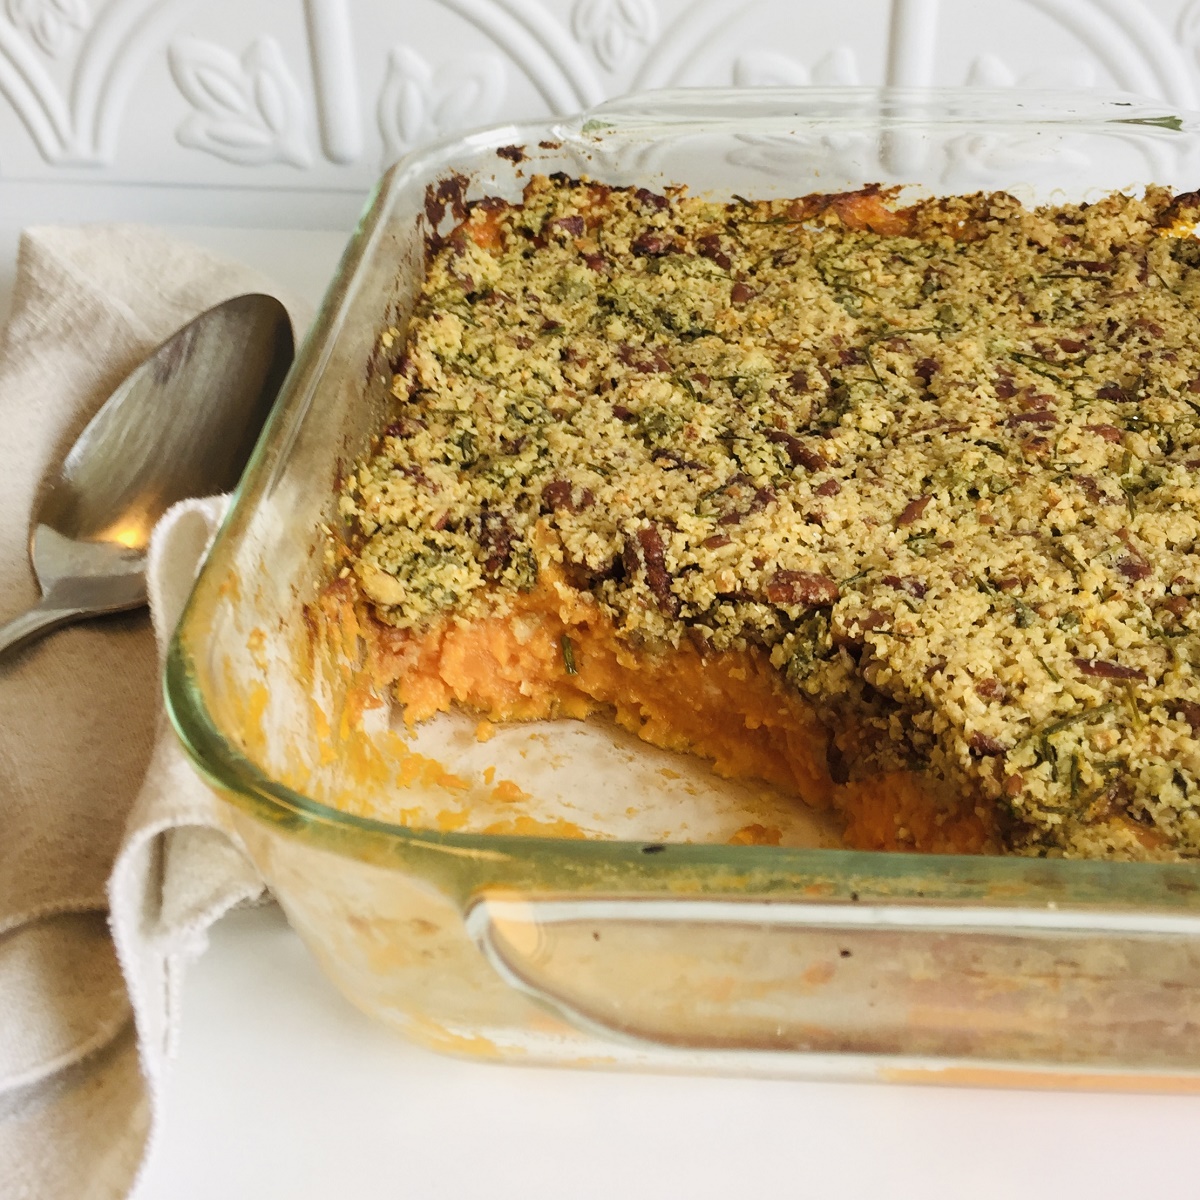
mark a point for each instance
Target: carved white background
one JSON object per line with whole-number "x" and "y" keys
{"x": 312, "y": 96}
{"x": 248, "y": 111}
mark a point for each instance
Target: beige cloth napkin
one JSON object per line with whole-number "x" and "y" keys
{"x": 101, "y": 818}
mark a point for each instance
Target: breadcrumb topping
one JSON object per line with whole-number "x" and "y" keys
{"x": 942, "y": 463}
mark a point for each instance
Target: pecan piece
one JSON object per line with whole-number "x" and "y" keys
{"x": 646, "y": 360}
{"x": 983, "y": 745}
{"x": 650, "y": 554}
{"x": 907, "y": 583}
{"x": 1103, "y": 669}
{"x": 709, "y": 247}
{"x": 797, "y": 451}
{"x": 405, "y": 427}
{"x": 802, "y": 587}
{"x": 672, "y": 460}
{"x": 651, "y": 245}
{"x": 763, "y": 497}
{"x": 873, "y": 618}
{"x": 1189, "y": 710}
{"x": 557, "y": 494}
{"x": 1043, "y": 418}
{"x": 496, "y": 537}
{"x": 651, "y": 199}
{"x": 925, "y": 369}
{"x": 571, "y": 226}
{"x": 1134, "y": 567}
{"x": 741, "y": 293}
{"x": 1037, "y": 447}
{"x": 914, "y": 510}
{"x": 849, "y": 630}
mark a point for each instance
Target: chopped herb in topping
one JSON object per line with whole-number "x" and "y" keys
{"x": 1038, "y": 365}
{"x": 811, "y": 645}
{"x": 1025, "y": 615}
{"x": 568, "y": 654}
{"x": 1085, "y": 715}
{"x": 1131, "y": 705}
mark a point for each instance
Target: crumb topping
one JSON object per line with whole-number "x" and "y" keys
{"x": 942, "y": 463}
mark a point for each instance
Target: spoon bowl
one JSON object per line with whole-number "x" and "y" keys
{"x": 182, "y": 424}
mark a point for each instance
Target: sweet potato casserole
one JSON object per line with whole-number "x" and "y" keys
{"x": 894, "y": 507}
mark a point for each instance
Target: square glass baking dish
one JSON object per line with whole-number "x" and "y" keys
{"x": 683, "y": 955}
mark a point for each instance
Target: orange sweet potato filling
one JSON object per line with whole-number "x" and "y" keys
{"x": 732, "y": 708}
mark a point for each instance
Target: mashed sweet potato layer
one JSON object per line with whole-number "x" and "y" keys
{"x": 557, "y": 655}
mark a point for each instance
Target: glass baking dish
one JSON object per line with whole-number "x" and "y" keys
{"x": 632, "y": 950}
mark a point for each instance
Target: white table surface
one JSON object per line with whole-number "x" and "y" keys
{"x": 283, "y": 1090}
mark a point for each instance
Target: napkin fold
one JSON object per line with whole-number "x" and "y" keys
{"x": 112, "y": 866}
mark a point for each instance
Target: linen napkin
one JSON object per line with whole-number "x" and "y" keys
{"x": 106, "y": 834}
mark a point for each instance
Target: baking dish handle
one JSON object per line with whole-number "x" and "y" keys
{"x": 1050, "y": 986}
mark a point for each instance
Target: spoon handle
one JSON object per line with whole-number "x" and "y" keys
{"x": 38, "y": 620}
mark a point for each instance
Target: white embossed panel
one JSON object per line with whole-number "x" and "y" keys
{"x": 310, "y": 96}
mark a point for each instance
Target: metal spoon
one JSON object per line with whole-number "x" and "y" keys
{"x": 182, "y": 424}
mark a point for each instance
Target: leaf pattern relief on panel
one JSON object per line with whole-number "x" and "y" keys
{"x": 1188, "y": 29}
{"x": 248, "y": 111}
{"x": 419, "y": 103}
{"x": 52, "y": 24}
{"x": 614, "y": 29}
{"x": 838, "y": 158}
{"x": 983, "y": 159}
{"x": 767, "y": 68}
{"x": 989, "y": 71}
